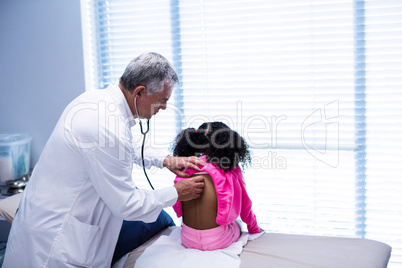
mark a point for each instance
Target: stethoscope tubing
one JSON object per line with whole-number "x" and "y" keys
{"x": 144, "y": 133}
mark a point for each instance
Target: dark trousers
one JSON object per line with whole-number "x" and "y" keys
{"x": 135, "y": 233}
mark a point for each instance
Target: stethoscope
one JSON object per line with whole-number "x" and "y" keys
{"x": 144, "y": 133}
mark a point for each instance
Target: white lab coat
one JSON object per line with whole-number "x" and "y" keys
{"x": 81, "y": 188}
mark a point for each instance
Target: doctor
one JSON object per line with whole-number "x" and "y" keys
{"x": 81, "y": 189}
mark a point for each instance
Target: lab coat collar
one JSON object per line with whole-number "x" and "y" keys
{"x": 118, "y": 96}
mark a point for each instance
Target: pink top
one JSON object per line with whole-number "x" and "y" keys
{"x": 232, "y": 197}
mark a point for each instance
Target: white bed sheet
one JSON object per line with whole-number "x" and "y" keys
{"x": 297, "y": 251}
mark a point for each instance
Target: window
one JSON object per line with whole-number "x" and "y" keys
{"x": 314, "y": 86}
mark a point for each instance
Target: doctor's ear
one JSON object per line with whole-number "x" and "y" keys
{"x": 139, "y": 90}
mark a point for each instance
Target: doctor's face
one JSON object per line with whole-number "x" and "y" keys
{"x": 149, "y": 105}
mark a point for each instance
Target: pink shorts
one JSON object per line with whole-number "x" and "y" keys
{"x": 210, "y": 239}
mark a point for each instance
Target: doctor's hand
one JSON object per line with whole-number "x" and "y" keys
{"x": 189, "y": 189}
{"x": 178, "y": 164}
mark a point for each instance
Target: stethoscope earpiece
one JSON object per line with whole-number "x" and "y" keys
{"x": 138, "y": 116}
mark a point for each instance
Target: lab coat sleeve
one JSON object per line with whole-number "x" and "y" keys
{"x": 110, "y": 174}
{"x": 152, "y": 156}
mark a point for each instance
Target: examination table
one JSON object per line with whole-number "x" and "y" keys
{"x": 275, "y": 249}
{"x": 296, "y": 251}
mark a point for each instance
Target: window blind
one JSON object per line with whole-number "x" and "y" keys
{"x": 383, "y": 50}
{"x": 313, "y": 86}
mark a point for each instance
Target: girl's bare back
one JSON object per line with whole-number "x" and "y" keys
{"x": 201, "y": 213}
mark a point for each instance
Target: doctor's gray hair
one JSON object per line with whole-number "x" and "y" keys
{"x": 151, "y": 70}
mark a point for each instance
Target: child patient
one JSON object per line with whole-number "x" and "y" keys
{"x": 209, "y": 222}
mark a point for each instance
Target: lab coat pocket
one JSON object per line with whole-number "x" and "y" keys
{"x": 78, "y": 243}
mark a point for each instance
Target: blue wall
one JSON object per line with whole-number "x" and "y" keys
{"x": 41, "y": 65}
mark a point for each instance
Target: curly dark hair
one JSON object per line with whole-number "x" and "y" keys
{"x": 222, "y": 145}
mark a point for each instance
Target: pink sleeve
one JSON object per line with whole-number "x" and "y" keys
{"x": 225, "y": 193}
{"x": 247, "y": 215}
